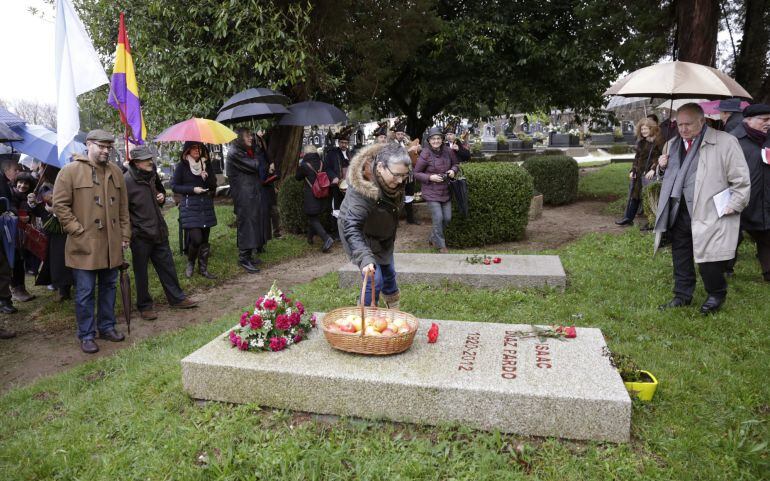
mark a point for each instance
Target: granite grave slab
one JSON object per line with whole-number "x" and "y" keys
{"x": 480, "y": 375}
{"x": 434, "y": 269}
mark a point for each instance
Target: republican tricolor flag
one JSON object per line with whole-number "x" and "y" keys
{"x": 124, "y": 93}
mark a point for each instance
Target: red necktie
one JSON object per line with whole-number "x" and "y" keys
{"x": 688, "y": 144}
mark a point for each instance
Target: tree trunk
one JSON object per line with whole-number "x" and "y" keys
{"x": 698, "y": 25}
{"x": 751, "y": 64}
{"x": 284, "y": 147}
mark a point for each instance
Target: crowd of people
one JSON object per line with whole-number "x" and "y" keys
{"x": 715, "y": 185}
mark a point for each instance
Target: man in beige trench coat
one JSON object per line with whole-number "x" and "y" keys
{"x": 701, "y": 163}
{"x": 91, "y": 202}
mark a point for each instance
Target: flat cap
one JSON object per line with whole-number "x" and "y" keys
{"x": 99, "y": 135}
{"x": 141, "y": 153}
{"x": 730, "y": 105}
{"x": 756, "y": 109}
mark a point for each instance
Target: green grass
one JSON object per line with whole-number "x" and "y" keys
{"x": 223, "y": 263}
{"x": 607, "y": 183}
{"x": 126, "y": 416}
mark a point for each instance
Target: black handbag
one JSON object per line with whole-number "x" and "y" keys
{"x": 459, "y": 189}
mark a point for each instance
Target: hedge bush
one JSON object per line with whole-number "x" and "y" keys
{"x": 556, "y": 176}
{"x": 499, "y": 196}
{"x": 503, "y": 158}
{"x": 290, "y": 208}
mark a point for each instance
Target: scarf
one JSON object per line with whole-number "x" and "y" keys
{"x": 143, "y": 175}
{"x": 755, "y": 135}
{"x": 196, "y": 167}
{"x": 391, "y": 193}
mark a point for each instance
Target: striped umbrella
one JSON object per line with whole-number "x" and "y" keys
{"x": 200, "y": 130}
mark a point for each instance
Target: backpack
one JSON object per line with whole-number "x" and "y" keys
{"x": 321, "y": 185}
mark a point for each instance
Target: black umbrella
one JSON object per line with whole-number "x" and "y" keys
{"x": 125, "y": 293}
{"x": 251, "y": 96}
{"x": 251, "y": 112}
{"x": 8, "y": 135}
{"x": 313, "y": 113}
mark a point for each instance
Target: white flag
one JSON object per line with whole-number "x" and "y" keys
{"x": 78, "y": 70}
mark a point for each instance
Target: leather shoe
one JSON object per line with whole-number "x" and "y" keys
{"x": 246, "y": 264}
{"x": 327, "y": 245}
{"x": 625, "y": 222}
{"x": 675, "y": 302}
{"x": 711, "y": 305}
{"x": 89, "y": 346}
{"x": 20, "y": 294}
{"x": 148, "y": 315}
{"x": 112, "y": 335}
{"x": 186, "y": 303}
{"x": 6, "y": 334}
{"x": 6, "y": 307}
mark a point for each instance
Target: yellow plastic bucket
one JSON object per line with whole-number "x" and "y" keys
{"x": 644, "y": 391}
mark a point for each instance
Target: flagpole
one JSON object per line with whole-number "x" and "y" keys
{"x": 126, "y": 144}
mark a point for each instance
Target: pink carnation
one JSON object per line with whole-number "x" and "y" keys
{"x": 258, "y": 304}
{"x": 282, "y": 322}
{"x": 295, "y": 318}
{"x": 244, "y": 319}
{"x": 244, "y": 345}
{"x": 300, "y": 308}
{"x": 233, "y": 338}
{"x": 313, "y": 320}
{"x": 277, "y": 343}
{"x": 269, "y": 304}
{"x": 255, "y": 322}
{"x": 297, "y": 339}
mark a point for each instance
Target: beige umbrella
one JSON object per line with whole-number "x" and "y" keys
{"x": 678, "y": 80}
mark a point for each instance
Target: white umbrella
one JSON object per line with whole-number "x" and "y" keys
{"x": 676, "y": 104}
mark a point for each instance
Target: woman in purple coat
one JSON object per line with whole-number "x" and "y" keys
{"x": 435, "y": 166}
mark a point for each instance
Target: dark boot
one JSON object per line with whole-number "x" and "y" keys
{"x": 6, "y": 307}
{"x": 409, "y": 208}
{"x": 631, "y": 210}
{"x": 244, "y": 260}
{"x": 203, "y": 262}
{"x": 310, "y": 237}
{"x": 192, "y": 254}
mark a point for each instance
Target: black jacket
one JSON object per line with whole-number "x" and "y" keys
{"x": 306, "y": 173}
{"x": 147, "y": 220}
{"x": 195, "y": 210}
{"x": 735, "y": 121}
{"x": 756, "y": 215}
{"x": 6, "y": 192}
{"x": 334, "y": 162}
{"x": 368, "y": 218}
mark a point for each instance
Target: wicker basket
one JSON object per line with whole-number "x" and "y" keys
{"x": 361, "y": 343}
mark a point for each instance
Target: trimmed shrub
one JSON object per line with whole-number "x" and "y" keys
{"x": 555, "y": 176}
{"x": 503, "y": 158}
{"x": 290, "y": 208}
{"x": 650, "y": 196}
{"x": 552, "y": 152}
{"x": 499, "y": 196}
{"x": 620, "y": 149}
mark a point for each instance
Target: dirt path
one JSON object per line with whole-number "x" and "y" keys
{"x": 33, "y": 355}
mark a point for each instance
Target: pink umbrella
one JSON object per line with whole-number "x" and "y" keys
{"x": 710, "y": 108}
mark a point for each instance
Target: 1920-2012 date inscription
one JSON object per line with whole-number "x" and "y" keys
{"x": 470, "y": 351}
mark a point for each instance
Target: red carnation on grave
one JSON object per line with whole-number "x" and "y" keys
{"x": 497, "y": 260}
{"x": 570, "y": 332}
{"x": 300, "y": 308}
{"x": 282, "y": 322}
{"x": 233, "y": 338}
{"x": 433, "y": 333}
{"x": 295, "y": 318}
{"x": 244, "y": 319}
{"x": 255, "y": 322}
{"x": 277, "y": 343}
{"x": 297, "y": 339}
{"x": 270, "y": 304}
{"x": 244, "y": 345}
{"x": 258, "y": 304}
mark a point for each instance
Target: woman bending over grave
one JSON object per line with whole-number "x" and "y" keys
{"x": 369, "y": 215}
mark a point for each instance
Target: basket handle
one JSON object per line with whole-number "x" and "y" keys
{"x": 363, "y": 296}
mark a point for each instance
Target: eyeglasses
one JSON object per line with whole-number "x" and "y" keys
{"x": 397, "y": 176}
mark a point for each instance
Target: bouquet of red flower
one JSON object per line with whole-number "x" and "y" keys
{"x": 276, "y": 323}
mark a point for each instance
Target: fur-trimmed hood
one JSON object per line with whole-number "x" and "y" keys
{"x": 360, "y": 174}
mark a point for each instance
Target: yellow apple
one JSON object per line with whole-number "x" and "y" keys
{"x": 400, "y": 322}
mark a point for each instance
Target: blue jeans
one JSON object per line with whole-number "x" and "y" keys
{"x": 85, "y": 287}
{"x": 384, "y": 281}
{"x": 441, "y": 214}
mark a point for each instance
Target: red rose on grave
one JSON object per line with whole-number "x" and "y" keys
{"x": 300, "y": 308}
{"x": 497, "y": 260}
{"x": 570, "y": 332}
{"x": 433, "y": 333}
{"x": 282, "y": 322}
{"x": 277, "y": 343}
{"x": 255, "y": 322}
{"x": 269, "y": 304}
{"x": 295, "y": 318}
